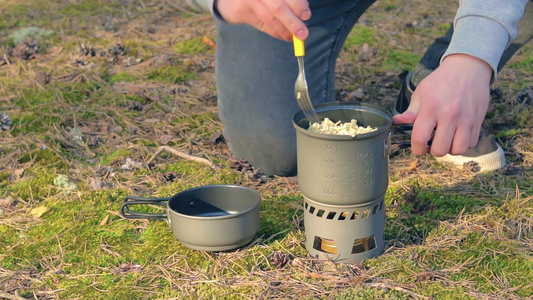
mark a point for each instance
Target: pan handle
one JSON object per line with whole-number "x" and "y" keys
{"x": 127, "y": 213}
{"x": 395, "y": 146}
{"x": 401, "y": 128}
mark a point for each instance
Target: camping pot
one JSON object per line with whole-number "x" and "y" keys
{"x": 341, "y": 169}
{"x": 209, "y": 218}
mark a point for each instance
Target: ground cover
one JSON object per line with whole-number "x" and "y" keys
{"x": 89, "y": 91}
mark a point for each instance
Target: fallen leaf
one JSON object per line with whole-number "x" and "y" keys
{"x": 39, "y": 211}
{"x": 209, "y": 42}
{"x": 413, "y": 165}
{"x": 165, "y": 139}
{"x": 104, "y": 221}
{"x": 321, "y": 276}
{"x": 56, "y": 50}
{"x": 358, "y": 279}
{"x": 18, "y": 173}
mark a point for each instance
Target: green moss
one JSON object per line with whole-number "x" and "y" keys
{"x": 33, "y": 97}
{"x": 4, "y": 177}
{"x": 189, "y": 169}
{"x": 81, "y": 245}
{"x": 143, "y": 49}
{"x": 81, "y": 248}
{"x": 13, "y": 15}
{"x": 508, "y": 133}
{"x": 31, "y": 123}
{"x": 524, "y": 118}
{"x": 425, "y": 209}
{"x": 35, "y": 188}
{"x": 87, "y": 115}
{"x": 8, "y": 236}
{"x": 155, "y": 242}
{"x": 444, "y": 206}
{"x": 498, "y": 110}
{"x": 117, "y": 155}
{"x": 350, "y": 293}
{"x": 45, "y": 158}
{"x": 444, "y": 27}
{"x": 75, "y": 95}
{"x": 136, "y": 98}
{"x": 438, "y": 290}
{"x": 146, "y": 142}
{"x": 493, "y": 259}
{"x": 18, "y": 9}
{"x": 359, "y": 36}
{"x": 485, "y": 259}
{"x": 171, "y": 74}
{"x": 122, "y": 76}
{"x": 399, "y": 268}
{"x": 398, "y": 60}
{"x": 277, "y": 216}
{"x": 525, "y": 60}
{"x": 87, "y": 8}
{"x": 191, "y": 46}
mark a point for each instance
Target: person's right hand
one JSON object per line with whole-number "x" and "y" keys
{"x": 279, "y": 18}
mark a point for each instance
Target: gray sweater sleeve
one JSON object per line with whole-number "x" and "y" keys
{"x": 202, "y": 5}
{"x": 484, "y": 29}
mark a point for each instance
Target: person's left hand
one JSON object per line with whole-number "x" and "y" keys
{"x": 453, "y": 100}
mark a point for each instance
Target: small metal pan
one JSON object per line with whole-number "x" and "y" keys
{"x": 209, "y": 218}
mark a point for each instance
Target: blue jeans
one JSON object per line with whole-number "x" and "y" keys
{"x": 255, "y": 76}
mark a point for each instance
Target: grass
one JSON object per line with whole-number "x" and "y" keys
{"x": 87, "y": 121}
{"x": 526, "y": 63}
{"x": 192, "y": 46}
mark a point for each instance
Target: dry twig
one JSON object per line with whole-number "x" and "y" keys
{"x": 8, "y": 296}
{"x": 183, "y": 155}
{"x": 382, "y": 285}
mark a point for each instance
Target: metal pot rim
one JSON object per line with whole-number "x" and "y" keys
{"x": 345, "y": 105}
{"x": 257, "y": 197}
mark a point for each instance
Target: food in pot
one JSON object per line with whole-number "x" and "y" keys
{"x": 339, "y": 128}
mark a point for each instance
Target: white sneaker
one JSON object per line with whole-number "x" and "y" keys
{"x": 487, "y": 155}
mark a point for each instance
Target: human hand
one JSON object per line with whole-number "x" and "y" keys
{"x": 279, "y": 18}
{"x": 453, "y": 99}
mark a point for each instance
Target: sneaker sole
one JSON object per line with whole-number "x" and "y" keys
{"x": 486, "y": 162}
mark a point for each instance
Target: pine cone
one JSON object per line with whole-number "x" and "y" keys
{"x": 87, "y": 49}
{"x": 43, "y": 78}
{"x": 471, "y": 166}
{"x": 26, "y": 50}
{"x": 525, "y": 96}
{"x": 279, "y": 259}
{"x": 5, "y": 121}
{"x": 117, "y": 50}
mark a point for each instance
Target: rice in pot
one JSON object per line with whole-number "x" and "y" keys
{"x": 339, "y": 128}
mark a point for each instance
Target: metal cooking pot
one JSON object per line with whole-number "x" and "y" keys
{"x": 209, "y": 218}
{"x": 340, "y": 169}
